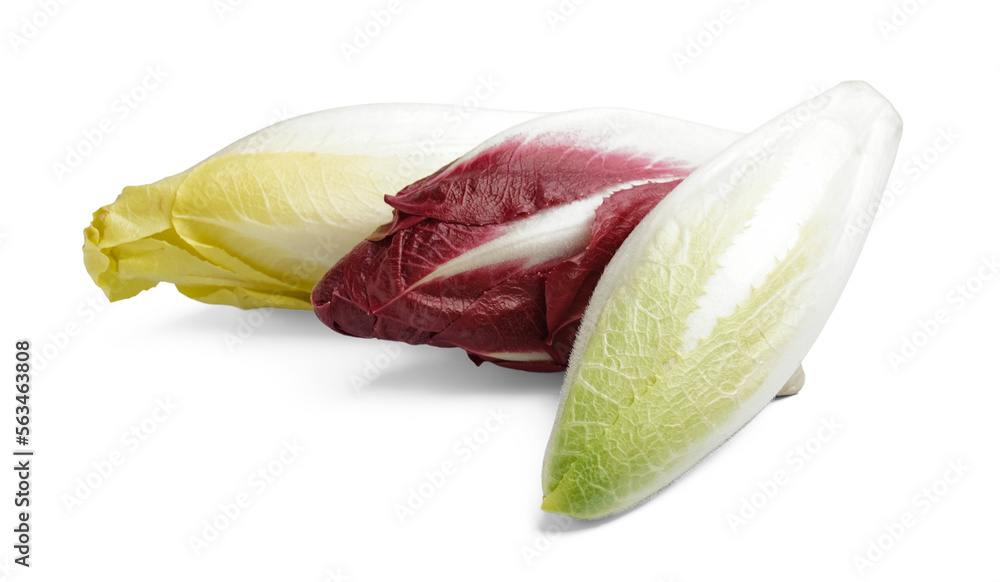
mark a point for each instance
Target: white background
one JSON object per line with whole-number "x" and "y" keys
{"x": 330, "y": 513}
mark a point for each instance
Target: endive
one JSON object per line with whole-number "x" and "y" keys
{"x": 258, "y": 223}
{"x": 714, "y": 298}
{"x": 498, "y": 252}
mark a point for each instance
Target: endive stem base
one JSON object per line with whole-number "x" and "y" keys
{"x": 795, "y": 383}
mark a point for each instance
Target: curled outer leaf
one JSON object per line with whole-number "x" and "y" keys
{"x": 714, "y": 299}
{"x": 498, "y": 252}
{"x": 258, "y": 223}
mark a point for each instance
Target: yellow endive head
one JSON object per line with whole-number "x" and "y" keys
{"x": 260, "y": 222}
